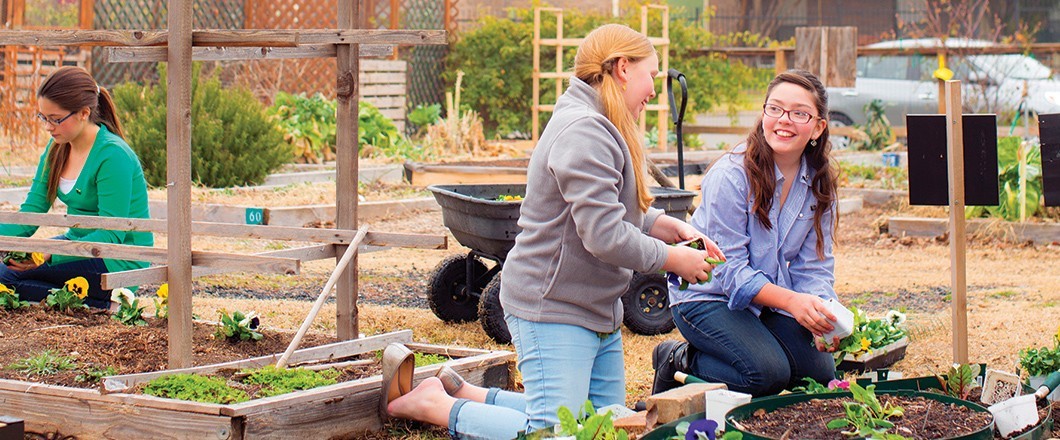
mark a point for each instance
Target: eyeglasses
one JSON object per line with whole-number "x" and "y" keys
{"x": 54, "y": 122}
{"x": 796, "y": 116}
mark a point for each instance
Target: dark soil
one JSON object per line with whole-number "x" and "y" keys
{"x": 96, "y": 341}
{"x": 923, "y": 419}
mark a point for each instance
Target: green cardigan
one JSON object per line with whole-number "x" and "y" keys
{"x": 111, "y": 184}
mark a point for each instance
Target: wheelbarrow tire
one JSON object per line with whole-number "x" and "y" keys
{"x": 491, "y": 314}
{"x": 646, "y": 305}
{"x": 446, "y": 295}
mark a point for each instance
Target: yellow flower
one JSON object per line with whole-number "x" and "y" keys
{"x": 163, "y": 291}
{"x": 865, "y": 344}
{"x": 78, "y": 286}
{"x": 5, "y": 289}
{"x": 37, "y": 257}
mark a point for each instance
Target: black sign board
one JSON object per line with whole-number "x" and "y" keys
{"x": 1049, "y": 127}
{"x": 928, "y": 182}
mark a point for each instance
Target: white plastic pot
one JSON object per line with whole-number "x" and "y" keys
{"x": 844, "y": 324}
{"x": 1014, "y": 414}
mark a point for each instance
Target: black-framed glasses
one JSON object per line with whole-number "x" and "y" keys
{"x": 54, "y": 122}
{"x": 796, "y": 116}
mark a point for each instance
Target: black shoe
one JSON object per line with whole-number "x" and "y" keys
{"x": 668, "y": 358}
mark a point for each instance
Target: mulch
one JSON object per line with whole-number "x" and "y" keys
{"x": 96, "y": 342}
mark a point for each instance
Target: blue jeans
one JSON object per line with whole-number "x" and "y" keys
{"x": 561, "y": 365}
{"x": 758, "y": 355}
{"x": 33, "y": 285}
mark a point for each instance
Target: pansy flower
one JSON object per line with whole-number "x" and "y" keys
{"x": 118, "y": 294}
{"x": 5, "y": 289}
{"x": 839, "y": 384}
{"x": 78, "y": 286}
{"x": 163, "y": 291}
{"x": 37, "y": 257}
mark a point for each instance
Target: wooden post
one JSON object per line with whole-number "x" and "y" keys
{"x": 347, "y": 92}
{"x": 942, "y": 97}
{"x": 955, "y": 164}
{"x": 781, "y": 63}
{"x": 178, "y": 177}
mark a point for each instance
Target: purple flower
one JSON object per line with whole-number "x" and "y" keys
{"x": 705, "y": 426}
{"x": 836, "y": 383}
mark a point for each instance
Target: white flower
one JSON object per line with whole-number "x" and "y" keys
{"x": 117, "y": 294}
{"x": 246, "y": 322}
{"x": 895, "y": 317}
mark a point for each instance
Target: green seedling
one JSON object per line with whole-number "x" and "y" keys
{"x": 698, "y": 245}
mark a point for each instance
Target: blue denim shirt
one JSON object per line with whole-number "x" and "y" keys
{"x": 785, "y": 255}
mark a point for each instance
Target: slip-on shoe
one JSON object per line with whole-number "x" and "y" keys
{"x": 399, "y": 365}
{"x": 451, "y": 380}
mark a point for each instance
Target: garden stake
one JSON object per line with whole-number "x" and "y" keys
{"x": 339, "y": 268}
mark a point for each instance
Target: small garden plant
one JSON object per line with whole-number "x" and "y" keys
{"x": 9, "y": 299}
{"x": 71, "y": 296}
{"x": 162, "y": 301}
{"x": 870, "y": 334}
{"x": 129, "y": 310}
{"x": 814, "y": 387}
{"x": 195, "y": 388}
{"x": 1040, "y": 361}
{"x": 93, "y": 374}
{"x": 960, "y": 380}
{"x": 276, "y": 381}
{"x": 45, "y": 363}
{"x": 866, "y": 417}
{"x": 704, "y": 429}
{"x": 589, "y": 425}
{"x": 239, "y": 327}
{"x": 36, "y": 257}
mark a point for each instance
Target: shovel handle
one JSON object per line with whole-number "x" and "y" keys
{"x": 1050, "y": 384}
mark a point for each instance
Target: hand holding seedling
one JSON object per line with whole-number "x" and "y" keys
{"x": 810, "y": 312}
{"x": 701, "y": 271}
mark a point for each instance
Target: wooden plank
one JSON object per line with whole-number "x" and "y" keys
{"x": 384, "y": 65}
{"x": 158, "y": 54}
{"x": 92, "y": 394}
{"x": 485, "y": 369}
{"x": 383, "y": 90}
{"x": 387, "y": 102}
{"x": 347, "y": 96}
{"x": 68, "y": 414}
{"x": 158, "y": 274}
{"x": 374, "y": 77}
{"x": 1040, "y": 233}
{"x": 955, "y": 166}
{"x": 329, "y": 352}
{"x": 301, "y": 215}
{"x": 445, "y": 350}
{"x": 229, "y": 37}
{"x": 178, "y": 173}
{"x": 232, "y": 230}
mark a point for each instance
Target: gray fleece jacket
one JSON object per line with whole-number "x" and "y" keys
{"x": 583, "y": 232}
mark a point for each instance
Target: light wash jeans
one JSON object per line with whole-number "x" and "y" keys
{"x": 561, "y": 365}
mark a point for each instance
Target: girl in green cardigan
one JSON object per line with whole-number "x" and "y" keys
{"x": 89, "y": 167}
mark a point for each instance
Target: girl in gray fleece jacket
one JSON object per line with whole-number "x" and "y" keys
{"x": 587, "y": 225}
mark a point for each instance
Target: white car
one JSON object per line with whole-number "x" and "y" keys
{"x": 904, "y": 83}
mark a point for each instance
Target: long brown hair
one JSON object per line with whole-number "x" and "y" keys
{"x": 593, "y": 63}
{"x": 758, "y": 159}
{"x": 72, "y": 89}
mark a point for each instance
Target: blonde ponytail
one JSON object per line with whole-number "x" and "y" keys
{"x": 594, "y": 63}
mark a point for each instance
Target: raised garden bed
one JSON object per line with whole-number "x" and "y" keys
{"x": 1039, "y": 233}
{"x": 50, "y": 405}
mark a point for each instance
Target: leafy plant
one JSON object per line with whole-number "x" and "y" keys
{"x": 857, "y": 175}
{"x": 424, "y": 115}
{"x": 195, "y": 388}
{"x": 9, "y": 299}
{"x": 960, "y": 380}
{"x": 870, "y": 334}
{"x": 239, "y": 327}
{"x": 308, "y": 124}
{"x": 814, "y": 387}
{"x": 877, "y": 131}
{"x": 129, "y": 310}
{"x": 233, "y": 140}
{"x": 589, "y": 425}
{"x": 1019, "y": 181}
{"x": 276, "y": 381}
{"x": 35, "y": 257}
{"x": 1043, "y": 360}
{"x": 380, "y": 137}
{"x": 161, "y": 301}
{"x": 866, "y": 416}
{"x": 45, "y": 363}
{"x": 71, "y": 296}
{"x": 93, "y": 374}
{"x": 425, "y": 359}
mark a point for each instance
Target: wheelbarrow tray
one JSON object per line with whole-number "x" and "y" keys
{"x": 481, "y": 222}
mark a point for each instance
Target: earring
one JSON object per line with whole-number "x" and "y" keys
{"x": 623, "y": 87}
{"x": 813, "y": 142}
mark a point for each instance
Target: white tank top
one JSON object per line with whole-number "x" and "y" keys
{"x": 65, "y": 185}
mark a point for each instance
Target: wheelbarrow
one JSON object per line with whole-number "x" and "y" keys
{"x": 463, "y": 288}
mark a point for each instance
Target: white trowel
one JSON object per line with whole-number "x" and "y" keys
{"x": 1019, "y": 412}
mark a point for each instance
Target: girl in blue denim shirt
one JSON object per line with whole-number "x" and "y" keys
{"x": 771, "y": 206}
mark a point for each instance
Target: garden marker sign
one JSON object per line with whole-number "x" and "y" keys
{"x": 1049, "y": 130}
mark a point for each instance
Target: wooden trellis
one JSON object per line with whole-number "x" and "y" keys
{"x": 344, "y": 42}
{"x": 559, "y": 42}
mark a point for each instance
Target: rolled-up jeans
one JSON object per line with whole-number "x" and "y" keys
{"x": 561, "y": 365}
{"x": 758, "y": 355}
{"x": 35, "y": 284}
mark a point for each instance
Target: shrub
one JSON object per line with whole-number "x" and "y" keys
{"x": 500, "y": 53}
{"x": 233, "y": 142}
